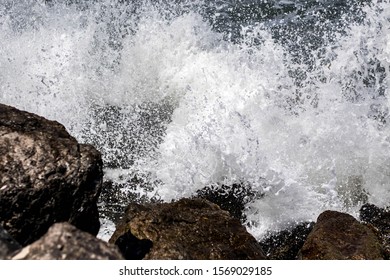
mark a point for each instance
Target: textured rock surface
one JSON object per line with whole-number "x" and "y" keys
{"x": 285, "y": 245}
{"x": 7, "y": 244}
{"x": 339, "y": 236}
{"x": 45, "y": 177}
{"x": 65, "y": 242}
{"x": 186, "y": 229}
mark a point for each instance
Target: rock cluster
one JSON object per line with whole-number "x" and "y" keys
{"x": 50, "y": 184}
{"x": 46, "y": 177}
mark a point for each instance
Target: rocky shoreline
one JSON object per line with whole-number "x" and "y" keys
{"x": 49, "y": 189}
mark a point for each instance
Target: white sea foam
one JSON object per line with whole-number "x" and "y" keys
{"x": 239, "y": 114}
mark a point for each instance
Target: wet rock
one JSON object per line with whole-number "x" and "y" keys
{"x": 339, "y": 236}
{"x": 7, "y": 244}
{"x": 186, "y": 229}
{"x": 65, "y": 242}
{"x": 46, "y": 176}
{"x": 379, "y": 218}
{"x": 285, "y": 244}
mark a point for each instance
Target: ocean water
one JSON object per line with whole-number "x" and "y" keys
{"x": 289, "y": 97}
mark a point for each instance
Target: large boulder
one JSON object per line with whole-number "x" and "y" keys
{"x": 7, "y": 244}
{"x": 339, "y": 236}
{"x": 46, "y": 176}
{"x": 65, "y": 242}
{"x": 187, "y": 229}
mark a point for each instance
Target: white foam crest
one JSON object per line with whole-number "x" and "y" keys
{"x": 220, "y": 85}
{"x": 57, "y": 60}
{"x": 45, "y": 70}
{"x": 233, "y": 124}
{"x": 153, "y": 59}
{"x": 239, "y": 115}
{"x": 346, "y": 143}
{"x": 355, "y": 90}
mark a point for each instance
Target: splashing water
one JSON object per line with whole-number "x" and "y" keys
{"x": 187, "y": 95}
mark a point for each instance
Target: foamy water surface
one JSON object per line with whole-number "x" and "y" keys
{"x": 309, "y": 135}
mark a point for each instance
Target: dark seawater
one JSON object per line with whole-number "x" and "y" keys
{"x": 287, "y": 97}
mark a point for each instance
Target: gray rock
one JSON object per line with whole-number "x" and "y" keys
{"x": 186, "y": 229}
{"x": 46, "y": 176}
{"x": 339, "y": 236}
{"x": 65, "y": 242}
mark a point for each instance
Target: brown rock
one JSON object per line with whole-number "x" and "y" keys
{"x": 65, "y": 242}
{"x": 45, "y": 177}
{"x": 339, "y": 236}
{"x": 186, "y": 229}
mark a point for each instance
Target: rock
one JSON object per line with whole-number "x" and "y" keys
{"x": 7, "y": 244}
{"x": 379, "y": 218}
{"x": 285, "y": 245}
{"x": 339, "y": 236}
{"x": 192, "y": 229}
{"x": 46, "y": 176}
{"x": 65, "y": 242}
